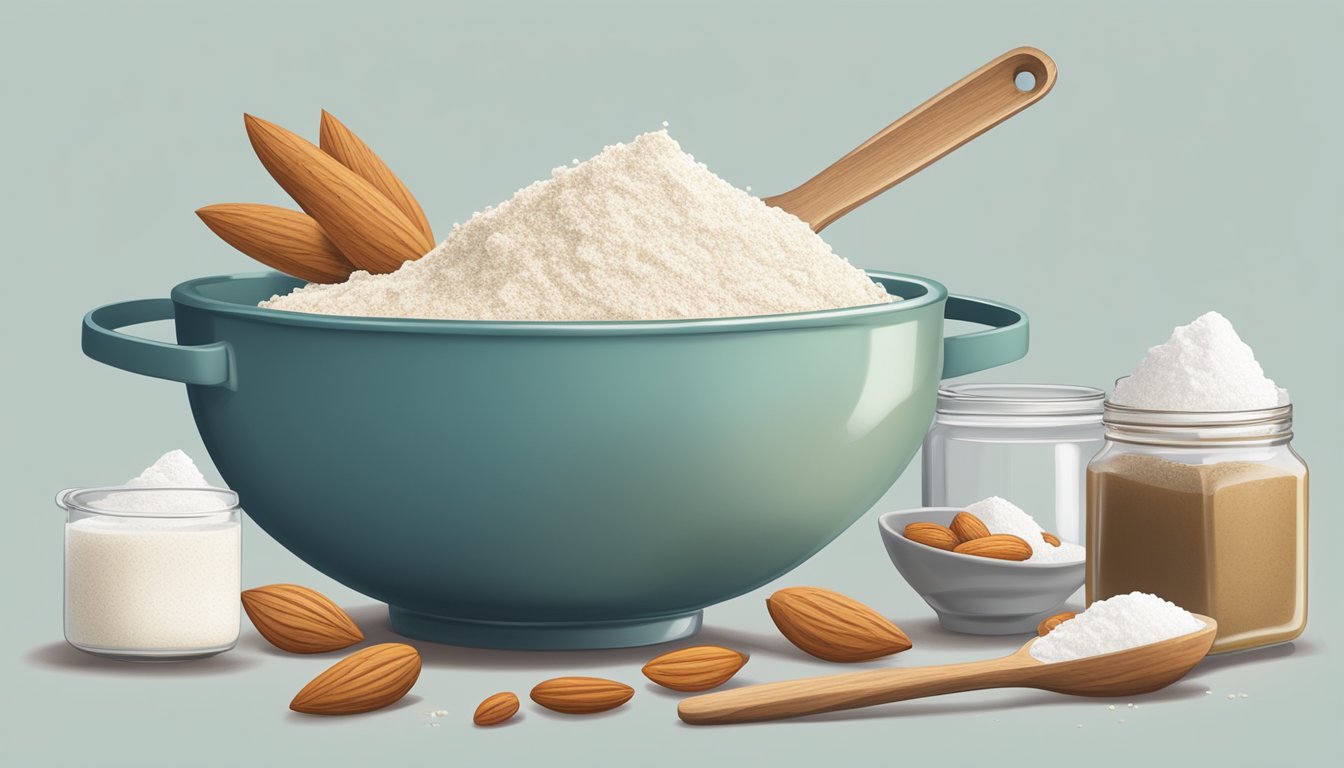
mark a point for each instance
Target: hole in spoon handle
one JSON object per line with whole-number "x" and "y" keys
{"x": 966, "y": 109}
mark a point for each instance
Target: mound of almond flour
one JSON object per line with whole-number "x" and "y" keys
{"x": 640, "y": 232}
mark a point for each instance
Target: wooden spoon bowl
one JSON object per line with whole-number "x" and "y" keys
{"x": 1129, "y": 672}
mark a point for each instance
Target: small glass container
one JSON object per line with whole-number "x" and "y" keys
{"x": 1028, "y": 443}
{"x": 1207, "y": 510}
{"x": 151, "y": 574}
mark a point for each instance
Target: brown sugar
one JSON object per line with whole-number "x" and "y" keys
{"x": 1227, "y": 540}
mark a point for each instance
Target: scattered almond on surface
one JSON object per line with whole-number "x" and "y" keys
{"x": 1050, "y": 538}
{"x": 932, "y": 535}
{"x": 300, "y": 620}
{"x": 967, "y": 527}
{"x": 698, "y": 668}
{"x": 361, "y": 682}
{"x": 1045, "y": 627}
{"x": 834, "y": 627}
{"x": 581, "y": 695}
{"x": 1000, "y": 546}
{"x": 496, "y": 709}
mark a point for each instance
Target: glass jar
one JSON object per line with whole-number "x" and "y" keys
{"x": 1207, "y": 510}
{"x": 1029, "y": 443}
{"x": 151, "y": 573}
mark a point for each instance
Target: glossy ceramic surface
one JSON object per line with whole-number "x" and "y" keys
{"x": 977, "y": 595}
{"x": 555, "y": 485}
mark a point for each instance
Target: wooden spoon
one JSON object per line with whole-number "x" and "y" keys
{"x": 968, "y": 108}
{"x": 1123, "y": 673}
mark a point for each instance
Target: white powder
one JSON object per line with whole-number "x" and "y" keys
{"x": 154, "y": 583}
{"x": 174, "y": 469}
{"x": 1002, "y": 516}
{"x": 160, "y": 586}
{"x": 1204, "y": 366}
{"x": 639, "y": 232}
{"x": 1114, "y": 624}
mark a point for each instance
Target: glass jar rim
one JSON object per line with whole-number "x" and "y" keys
{"x": 79, "y": 499}
{"x": 987, "y": 399}
{"x": 1125, "y": 415}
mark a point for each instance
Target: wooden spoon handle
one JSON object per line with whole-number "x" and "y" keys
{"x": 973, "y": 105}
{"x": 794, "y": 698}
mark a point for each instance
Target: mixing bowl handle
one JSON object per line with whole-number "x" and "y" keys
{"x": 207, "y": 364}
{"x": 1004, "y": 342}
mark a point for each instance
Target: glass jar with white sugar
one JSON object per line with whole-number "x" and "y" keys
{"x": 152, "y": 574}
{"x": 1027, "y": 442}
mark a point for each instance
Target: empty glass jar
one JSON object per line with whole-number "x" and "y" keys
{"x": 151, "y": 573}
{"x": 1029, "y": 443}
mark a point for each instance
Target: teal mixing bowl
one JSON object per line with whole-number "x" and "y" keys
{"x": 555, "y": 485}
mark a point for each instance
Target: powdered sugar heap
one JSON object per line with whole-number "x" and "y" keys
{"x": 174, "y": 469}
{"x": 1002, "y": 516}
{"x": 639, "y": 232}
{"x": 1114, "y": 624}
{"x": 1204, "y": 366}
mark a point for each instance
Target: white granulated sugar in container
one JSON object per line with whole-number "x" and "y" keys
{"x": 1002, "y": 516}
{"x": 1114, "y": 624}
{"x": 640, "y": 232}
{"x": 154, "y": 582}
{"x": 1204, "y": 366}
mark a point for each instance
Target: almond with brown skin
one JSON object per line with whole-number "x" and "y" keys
{"x": 834, "y": 627}
{"x": 1000, "y": 546}
{"x": 1050, "y": 538}
{"x": 698, "y": 668}
{"x": 1049, "y": 624}
{"x": 300, "y": 620}
{"x": 968, "y": 526}
{"x": 289, "y": 241}
{"x": 496, "y": 709}
{"x": 361, "y": 682}
{"x": 342, "y": 143}
{"x": 367, "y": 228}
{"x": 932, "y": 535}
{"x": 581, "y": 695}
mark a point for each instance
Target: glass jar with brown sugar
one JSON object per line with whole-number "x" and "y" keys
{"x": 1207, "y": 510}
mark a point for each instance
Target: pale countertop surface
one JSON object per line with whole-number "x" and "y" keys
{"x": 237, "y": 702}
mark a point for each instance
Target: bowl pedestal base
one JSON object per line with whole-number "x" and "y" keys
{"x": 1010, "y": 624}
{"x": 543, "y": 636}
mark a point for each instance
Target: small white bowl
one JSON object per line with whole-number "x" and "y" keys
{"x": 977, "y": 595}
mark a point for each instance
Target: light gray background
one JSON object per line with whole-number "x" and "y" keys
{"x": 1188, "y": 159}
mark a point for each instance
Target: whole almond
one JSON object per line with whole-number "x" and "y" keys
{"x": 697, "y": 668}
{"x": 289, "y": 241}
{"x": 932, "y": 535}
{"x": 581, "y": 695}
{"x": 367, "y": 227}
{"x": 351, "y": 151}
{"x": 834, "y": 627}
{"x": 968, "y": 526}
{"x": 496, "y": 709}
{"x": 1050, "y": 538}
{"x": 1049, "y": 624}
{"x": 1001, "y": 546}
{"x": 361, "y": 682}
{"x": 300, "y": 620}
